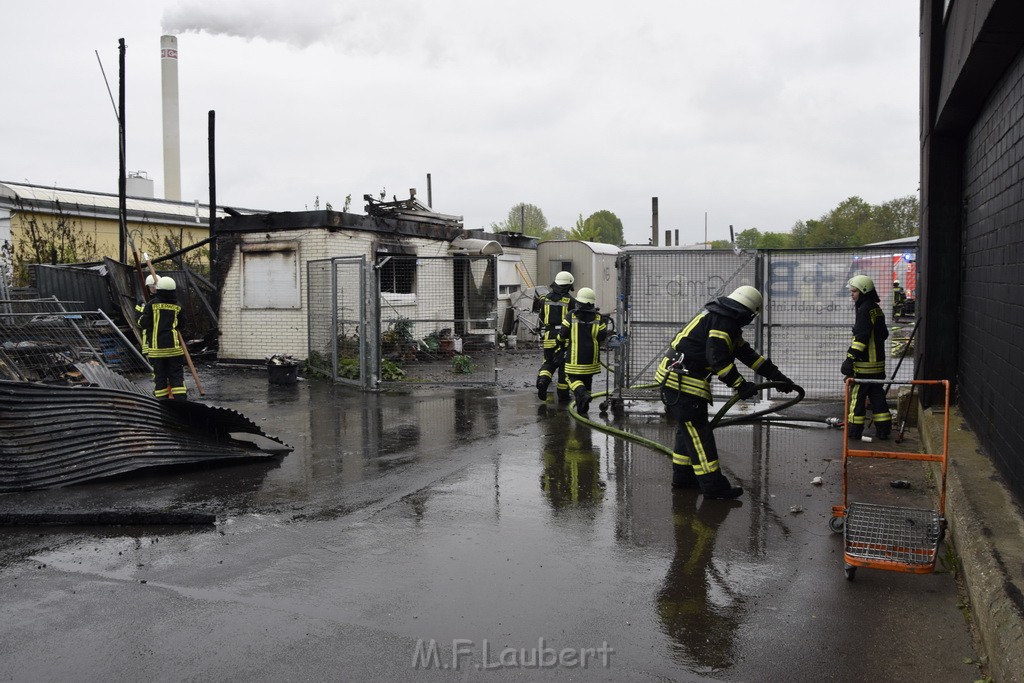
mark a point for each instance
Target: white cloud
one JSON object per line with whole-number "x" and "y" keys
{"x": 759, "y": 114}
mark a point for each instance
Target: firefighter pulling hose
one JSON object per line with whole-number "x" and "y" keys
{"x": 708, "y": 346}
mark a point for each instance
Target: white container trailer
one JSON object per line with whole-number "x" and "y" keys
{"x": 591, "y": 263}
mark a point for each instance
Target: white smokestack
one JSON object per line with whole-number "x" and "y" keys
{"x": 172, "y": 141}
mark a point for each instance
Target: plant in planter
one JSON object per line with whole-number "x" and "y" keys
{"x": 398, "y": 338}
{"x": 463, "y": 364}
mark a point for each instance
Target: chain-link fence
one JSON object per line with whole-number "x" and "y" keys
{"x": 438, "y": 319}
{"x": 660, "y": 291}
{"x": 41, "y": 341}
{"x": 806, "y": 324}
{"x": 427, "y": 320}
{"x": 337, "y": 294}
{"x": 808, "y": 315}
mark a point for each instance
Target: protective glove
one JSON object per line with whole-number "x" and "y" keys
{"x": 746, "y": 390}
{"x": 787, "y": 383}
{"x": 847, "y": 368}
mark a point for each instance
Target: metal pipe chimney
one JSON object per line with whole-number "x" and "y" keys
{"x": 654, "y": 221}
{"x": 172, "y": 138}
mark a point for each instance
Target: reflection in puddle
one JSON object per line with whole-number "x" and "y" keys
{"x": 696, "y": 605}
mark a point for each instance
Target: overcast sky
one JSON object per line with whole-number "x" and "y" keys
{"x": 756, "y": 114}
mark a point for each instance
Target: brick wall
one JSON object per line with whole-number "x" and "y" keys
{"x": 254, "y": 333}
{"x": 991, "y": 369}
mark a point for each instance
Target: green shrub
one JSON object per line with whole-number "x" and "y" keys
{"x": 463, "y": 364}
{"x": 391, "y": 371}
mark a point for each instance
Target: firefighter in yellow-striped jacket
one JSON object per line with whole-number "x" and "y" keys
{"x": 583, "y": 330}
{"x": 865, "y": 359}
{"x": 161, "y": 319}
{"x": 708, "y": 346}
{"x": 140, "y": 309}
{"x": 552, "y": 308}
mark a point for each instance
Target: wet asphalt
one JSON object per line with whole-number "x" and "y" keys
{"x": 475, "y": 534}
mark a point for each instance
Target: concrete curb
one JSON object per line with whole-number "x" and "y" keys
{"x": 987, "y": 529}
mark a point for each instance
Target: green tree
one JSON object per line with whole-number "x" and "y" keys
{"x": 525, "y": 218}
{"x": 749, "y": 239}
{"x": 854, "y": 223}
{"x": 900, "y": 217}
{"x": 556, "y": 233}
{"x": 601, "y": 226}
{"x": 775, "y": 240}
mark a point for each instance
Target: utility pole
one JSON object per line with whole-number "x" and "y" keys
{"x": 122, "y": 180}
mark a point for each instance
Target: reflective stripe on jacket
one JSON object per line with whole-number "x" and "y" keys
{"x": 582, "y": 333}
{"x": 161, "y": 319}
{"x": 552, "y": 311}
{"x": 709, "y": 345}
{"x": 867, "y": 348}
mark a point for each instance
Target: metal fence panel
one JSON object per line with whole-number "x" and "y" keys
{"x": 808, "y": 314}
{"x": 335, "y": 293}
{"x": 806, "y": 324}
{"x": 661, "y": 290}
{"x": 42, "y": 342}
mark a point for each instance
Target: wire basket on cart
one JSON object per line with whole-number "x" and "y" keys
{"x": 903, "y": 539}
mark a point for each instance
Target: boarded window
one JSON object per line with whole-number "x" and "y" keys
{"x": 270, "y": 275}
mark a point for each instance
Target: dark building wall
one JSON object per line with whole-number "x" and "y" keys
{"x": 972, "y": 202}
{"x": 992, "y": 290}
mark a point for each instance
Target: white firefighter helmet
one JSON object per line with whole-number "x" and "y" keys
{"x": 862, "y": 283}
{"x": 166, "y": 284}
{"x": 749, "y": 297}
{"x": 587, "y": 296}
{"x": 564, "y": 277}
{"x": 150, "y": 280}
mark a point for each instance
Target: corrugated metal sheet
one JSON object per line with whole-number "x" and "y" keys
{"x": 53, "y": 436}
{"x": 76, "y": 284}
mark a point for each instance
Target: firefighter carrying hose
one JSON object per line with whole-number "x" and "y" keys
{"x": 583, "y": 330}
{"x": 709, "y": 345}
{"x": 552, "y": 308}
{"x": 865, "y": 359}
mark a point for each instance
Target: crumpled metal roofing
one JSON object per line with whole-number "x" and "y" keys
{"x": 53, "y": 436}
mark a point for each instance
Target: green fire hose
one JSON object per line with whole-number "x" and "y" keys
{"x": 718, "y": 420}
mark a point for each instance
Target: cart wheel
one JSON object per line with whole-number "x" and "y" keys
{"x": 837, "y": 524}
{"x": 850, "y": 571}
{"x": 603, "y": 407}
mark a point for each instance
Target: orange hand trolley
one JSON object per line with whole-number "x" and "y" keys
{"x": 883, "y": 536}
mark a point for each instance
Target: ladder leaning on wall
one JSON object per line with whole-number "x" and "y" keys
{"x": 523, "y": 274}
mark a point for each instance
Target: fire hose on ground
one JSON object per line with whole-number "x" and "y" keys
{"x": 719, "y": 420}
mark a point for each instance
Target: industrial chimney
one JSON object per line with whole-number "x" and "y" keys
{"x": 172, "y": 141}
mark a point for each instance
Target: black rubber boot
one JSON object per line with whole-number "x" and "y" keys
{"x": 882, "y": 431}
{"x": 717, "y": 487}
{"x": 854, "y": 432}
{"x": 564, "y": 396}
{"x": 582, "y": 400}
{"x": 542, "y": 387}
{"x": 683, "y": 477}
